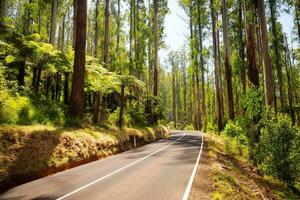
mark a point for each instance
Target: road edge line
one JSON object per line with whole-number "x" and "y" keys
{"x": 189, "y": 186}
{"x": 118, "y": 170}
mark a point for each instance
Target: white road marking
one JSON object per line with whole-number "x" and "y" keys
{"x": 119, "y": 170}
{"x": 189, "y": 186}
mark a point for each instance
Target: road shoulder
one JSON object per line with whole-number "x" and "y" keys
{"x": 202, "y": 187}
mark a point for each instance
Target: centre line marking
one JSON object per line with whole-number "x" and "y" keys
{"x": 119, "y": 170}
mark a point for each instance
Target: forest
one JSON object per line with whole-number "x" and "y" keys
{"x": 96, "y": 64}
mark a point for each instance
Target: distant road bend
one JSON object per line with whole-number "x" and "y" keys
{"x": 161, "y": 170}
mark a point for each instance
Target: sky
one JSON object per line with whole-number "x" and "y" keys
{"x": 177, "y": 31}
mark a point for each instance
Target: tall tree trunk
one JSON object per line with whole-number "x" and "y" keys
{"x": 122, "y": 106}
{"x": 174, "y": 95}
{"x": 53, "y": 22}
{"x": 66, "y": 88}
{"x": 227, "y": 60}
{"x": 131, "y": 37}
{"x": 184, "y": 82}
{"x": 21, "y": 74}
{"x": 193, "y": 63}
{"x": 76, "y": 108}
{"x": 63, "y": 30}
{"x": 278, "y": 62}
{"x": 38, "y": 78}
{"x": 2, "y": 10}
{"x": 155, "y": 61}
{"x": 106, "y": 34}
{"x": 74, "y": 22}
{"x": 242, "y": 47}
{"x": 253, "y": 73}
{"x": 97, "y": 95}
{"x": 220, "y": 70}
{"x": 290, "y": 93}
{"x": 201, "y": 60}
{"x": 96, "y": 38}
{"x": 118, "y": 26}
{"x": 297, "y": 16}
{"x": 216, "y": 63}
{"x": 268, "y": 71}
{"x": 149, "y": 49}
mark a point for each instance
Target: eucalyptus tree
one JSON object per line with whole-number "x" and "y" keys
{"x": 76, "y": 107}
{"x": 268, "y": 71}
{"x": 277, "y": 56}
{"x": 216, "y": 64}
{"x": 228, "y": 73}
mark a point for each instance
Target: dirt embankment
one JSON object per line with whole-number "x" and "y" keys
{"x": 31, "y": 152}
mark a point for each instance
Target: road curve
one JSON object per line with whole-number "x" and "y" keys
{"x": 161, "y": 170}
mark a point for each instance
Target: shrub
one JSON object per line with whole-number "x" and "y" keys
{"x": 48, "y": 112}
{"x": 16, "y": 110}
{"x": 234, "y": 130}
{"x": 279, "y": 148}
{"x": 24, "y": 111}
{"x": 137, "y": 116}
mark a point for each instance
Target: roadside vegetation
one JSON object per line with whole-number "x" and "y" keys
{"x": 234, "y": 176}
{"x": 261, "y": 166}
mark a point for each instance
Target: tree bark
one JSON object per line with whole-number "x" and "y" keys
{"x": 227, "y": 61}
{"x": 53, "y": 22}
{"x": 155, "y": 62}
{"x": 63, "y": 33}
{"x": 242, "y": 47}
{"x": 290, "y": 92}
{"x": 220, "y": 70}
{"x": 201, "y": 60}
{"x": 216, "y": 63}
{"x": 278, "y": 62}
{"x": 2, "y": 10}
{"x": 118, "y": 26}
{"x": 96, "y": 38}
{"x": 253, "y": 73}
{"x": 297, "y": 16}
{"x": 76, "y": 108}
{"x": 106, "y": 34}
{"x": 122, "y": 106}
{"x": 66, "y": 88}
{"x": 74, "y": 22}
{"x": 155, "y": 70}
{"x": 268, "y": 71}
{"x": 149, "y": 49}
{"x": 174, "y": 95}
{"x": 21, "y": 74}
{"x": 97, "y": 95}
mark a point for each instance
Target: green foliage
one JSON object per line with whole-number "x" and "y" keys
{"x": 113, "y": 118}
{"x": 252, "y": 102}
{"x": 24, "y": 111}
{"x": 234, "y": 130}
{"x": 16, "y": 110}
{"x": 279, "y": 148}
{"x": 137, "y": 115}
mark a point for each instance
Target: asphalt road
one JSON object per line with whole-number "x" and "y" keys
{"x": 162, "y": 170}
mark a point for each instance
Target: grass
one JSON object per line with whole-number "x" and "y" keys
{"x": 29, "y": 152}
{"x": 234, "y": 177}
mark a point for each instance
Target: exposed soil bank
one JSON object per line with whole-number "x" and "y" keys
{"x": 31, "y": 152}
